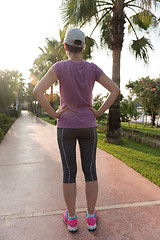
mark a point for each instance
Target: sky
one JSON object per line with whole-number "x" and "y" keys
{"x": 26, "y": 24}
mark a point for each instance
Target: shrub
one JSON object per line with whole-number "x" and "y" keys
{"x": 1, "y": 134}
{"x": 12, "y": 112}
{"x": 6, "y": 122}
{"x": 3, "y": 118}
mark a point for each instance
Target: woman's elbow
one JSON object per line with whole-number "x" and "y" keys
{"x": 36, "y": 91}
{"x": 117, "y": 91}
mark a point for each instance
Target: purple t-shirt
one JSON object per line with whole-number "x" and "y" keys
{"x": 76, "y": 82}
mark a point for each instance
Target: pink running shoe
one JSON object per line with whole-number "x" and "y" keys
{"x": 91, "y": 221}
{"x": 71, "y": 223}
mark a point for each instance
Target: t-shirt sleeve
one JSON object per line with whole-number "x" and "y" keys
{"x": 58, "y": 68}
{"x": 97, "y": 72}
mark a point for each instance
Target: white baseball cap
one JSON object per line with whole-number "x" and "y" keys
{"x": 75, "y": 37}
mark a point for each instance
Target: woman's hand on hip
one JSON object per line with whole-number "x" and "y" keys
{"x": 96, "y": 112}
{"x": 60, "y": 111}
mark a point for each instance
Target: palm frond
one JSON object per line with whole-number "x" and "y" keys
{"x": 76, "y": 11}
{"x": 41, "y": 49}
{"x": 131, "y": 26}
{"x": 103, "y": 16}
{"x": 105, "y": 33}
{"x": 62, "y": 34}
{"x": 90, "y": 43}
{"x": 147, "y": 4}
{"x": 144, "y": 20}
{"x": 90, "y": 17}
{"x": 143, "y": 5}
{"x": 140, "y": 48}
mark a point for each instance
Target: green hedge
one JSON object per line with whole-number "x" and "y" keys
{"x": 13, "y": 113}
{"x": 1, "y": 134}
{"x": 5, "y": 124}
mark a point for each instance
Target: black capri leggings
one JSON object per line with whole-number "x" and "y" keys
{"x": 87, "y": 138}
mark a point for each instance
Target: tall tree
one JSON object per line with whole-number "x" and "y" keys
{"x": 129, "y": 110}
{"x": 11, "y": 83}
{"x": 147, "y": 92}
{"x": 111, "y": 16}
{"x": 52, "y": 52}
{"x": 29, "y": 97}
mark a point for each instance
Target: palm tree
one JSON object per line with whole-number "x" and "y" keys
{"x": 111, "y": 16}
{"x": 52, "y": 52}
{"x": 11, "y": 82}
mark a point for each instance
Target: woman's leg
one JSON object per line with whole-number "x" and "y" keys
{"x": 69, "y": 192}
{"x": 67, "y": 145}
{"x": 88, "y": 145}
{"x": 91, "y": 190}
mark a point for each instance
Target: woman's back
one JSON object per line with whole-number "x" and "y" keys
{"x": 76, "y": 81}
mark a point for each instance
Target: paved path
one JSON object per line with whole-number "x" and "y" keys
{"x": 31, "y": 197}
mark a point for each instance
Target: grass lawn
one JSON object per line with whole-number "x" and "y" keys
{"x": 144, "y": 159}
{"x": 141, "y": 127}
{"x": 47, "y": 119}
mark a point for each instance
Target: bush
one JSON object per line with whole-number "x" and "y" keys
{"x": 12, "y": 112}
{"x": 1, "y": 134}
{"x": 5, "y": 127}
{"x": 6, "y": 122}
{"x": 3, "y": 118}
{"x": 19, "y": 110}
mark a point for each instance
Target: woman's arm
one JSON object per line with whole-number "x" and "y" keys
{"x": 47, "y": 81}
{"x": 111, "y": 87}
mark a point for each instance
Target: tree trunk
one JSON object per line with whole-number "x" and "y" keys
{"x": 35, "y": 109}
{"x": 31, "y": 106}
{"x": 158, "y": 119}
{"x": 153, "y": 118}
{"x": 39, "y": 110}
{"x": 146, "y": 120}
{"x": 113, "y": 130}
{"x": 116, "y": 28}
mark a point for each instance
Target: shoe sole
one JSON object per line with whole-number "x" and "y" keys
{"x": 92, "y": 227}
{"x": 71, "y": 229}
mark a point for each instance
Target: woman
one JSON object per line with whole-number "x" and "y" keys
{"x": 77, "y": 121}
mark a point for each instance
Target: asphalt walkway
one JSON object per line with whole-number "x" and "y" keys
{"x": 31, "y": 196}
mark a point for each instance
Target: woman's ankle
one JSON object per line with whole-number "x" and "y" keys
{"x": 90, "y": 212}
